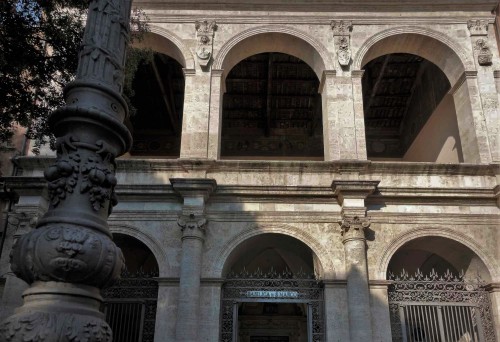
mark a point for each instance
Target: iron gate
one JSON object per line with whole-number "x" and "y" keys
{"x": 444, "y": 308}
{"x": 274, "y": 287}
{"x": 130, "y": 307}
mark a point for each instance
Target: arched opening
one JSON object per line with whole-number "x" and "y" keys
{"x": 271, "y": 292}
{"x": 154, "y": 87}
{"x": 272, "y": 110}
{"x": 437, "y": 292}
{"x": 409, "y": 113}
{"x": 439, "y": 254}
{"x": 130, "y": 304}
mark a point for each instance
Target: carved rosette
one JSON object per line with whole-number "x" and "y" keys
{"x": 353, "y": 228}
{"x": 342, "y": 40}
{"x": 205, "y": 31}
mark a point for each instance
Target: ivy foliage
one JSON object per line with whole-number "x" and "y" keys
{"x": 39, "y": 45}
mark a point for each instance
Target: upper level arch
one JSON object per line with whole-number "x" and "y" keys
{"x": 162, "y": 40}
{"x": 434, "y": 46}
{"x": 282, "y": 39}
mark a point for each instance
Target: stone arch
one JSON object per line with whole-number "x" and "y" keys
{"x": 432, "y": 45}
{"x": 163, "y": 41}
{"x": 403, "y": 238}
{"x": 153, "y": 245}
{"x": 324, "y": 257}
{"x": 282, "y": 39}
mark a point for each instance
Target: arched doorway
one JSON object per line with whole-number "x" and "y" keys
{"x": 271, "y": 292}
{"x": 130, "y": 304}
{"x": 272, "y": 110}
{"x": 437, "y": 292}
{"x": 409, "y": 113}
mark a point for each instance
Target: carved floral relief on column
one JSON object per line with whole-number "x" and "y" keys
{"x": 342, "y": 40}
{"x": 205, "y": 31}
{"x": 479, "y": 28}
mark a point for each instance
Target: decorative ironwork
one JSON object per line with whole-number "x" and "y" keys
{"x": 272, "y": 286}
{"x": 446, "y": 307}
{"x": 130, "y": 306}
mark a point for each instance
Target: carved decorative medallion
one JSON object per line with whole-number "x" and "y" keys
{"x": 342, "y": 40}
{"x": 485, "y": 56}
{"x": 205, "y": 31}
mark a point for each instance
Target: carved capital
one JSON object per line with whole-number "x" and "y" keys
{"x": 478, "y": 27}
{"x": 353, "y": 228}
{"x": 484, "y": 54}
{"x": 205, "y": 32}
{"x": 192, "y": 223}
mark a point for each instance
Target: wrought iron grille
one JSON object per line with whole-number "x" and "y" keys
{"x": 441, "y": 308}
{"x": 272, "y": 286}
{"x": 130, "y": 307}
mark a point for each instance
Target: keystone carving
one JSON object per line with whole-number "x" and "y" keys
{"x": 342, "y": 40}
{"x": 478, "y": 27}
{"x": 205, "y": 31}
{"x": 484, "y": 56}
{"x": 353, "y": 228}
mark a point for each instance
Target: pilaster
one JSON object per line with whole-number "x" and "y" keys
{"x": 494, "y": 290}
{"x": 343, "y": 118}
{"x": 192, "y": 221}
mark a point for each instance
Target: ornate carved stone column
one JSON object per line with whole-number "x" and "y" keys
{"x": 70, "y": 254}
{"x": 195, "y": 193}
{"x": 351, "y": 196}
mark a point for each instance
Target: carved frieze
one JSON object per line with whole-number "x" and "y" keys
{"x": 205, "y": 31}
{"x": 342, "y": 40}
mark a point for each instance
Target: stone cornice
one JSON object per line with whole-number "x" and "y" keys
{"x": 361, "y": 6}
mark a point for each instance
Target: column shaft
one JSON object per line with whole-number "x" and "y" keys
{"x": 358, "y": 297}
{"x": 189, "y": 289}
